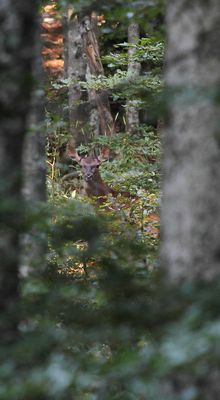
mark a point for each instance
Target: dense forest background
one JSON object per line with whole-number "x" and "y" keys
{"x": 109, "y": 211}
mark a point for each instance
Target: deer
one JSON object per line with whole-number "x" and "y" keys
{"x": 94, "y": 186}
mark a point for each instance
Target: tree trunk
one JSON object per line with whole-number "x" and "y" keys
{"x": 17, "y": 28}
{"x": 191, "y": 187}
{"x": 94, "y": 112}
{"x": 34, "y": 171}
{"x": 89, "y": 112}
{"x": 99, "y": 102}
{"x": 134, "y": 69}
{"x": 76, "y": 71}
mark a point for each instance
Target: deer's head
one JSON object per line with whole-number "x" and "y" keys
{"x": 89, "y": 164}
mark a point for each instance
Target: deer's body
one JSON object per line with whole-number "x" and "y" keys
{"x": 94, "y": 186}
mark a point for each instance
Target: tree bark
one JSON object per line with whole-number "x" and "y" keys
{"x": 191, "y": 186}
{"x": 134, "y": 69}
{"x": 17, "y": 30}
{"x": 99, "y": 102}
{"x": 89, "y": 111}
{"x": 34, "y": 171}
{"x": 76, "y": 71}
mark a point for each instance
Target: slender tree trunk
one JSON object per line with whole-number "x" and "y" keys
{"x": 191, "y": 212}
{"x": 34, "y": 172}
{"x": 17, "y": 30}
{"x": 134, "y": 69}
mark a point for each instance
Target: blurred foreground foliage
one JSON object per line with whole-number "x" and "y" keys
{"x": 99, "y": 324}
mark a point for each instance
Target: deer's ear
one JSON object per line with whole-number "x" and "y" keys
{"x": 72, "y": 153}
{"x": 104, "y": 154}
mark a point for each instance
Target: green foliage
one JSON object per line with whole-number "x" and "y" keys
{"x": 146, "y": 50}
{"x": 125, "y": 87}
{"x": 137, "y": 162}
{"x": 99, "y": 325}
{"x": 144, "y": 90}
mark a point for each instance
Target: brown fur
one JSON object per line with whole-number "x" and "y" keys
{"x": 94, "y": 186}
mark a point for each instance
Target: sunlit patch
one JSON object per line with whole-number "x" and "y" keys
{"x": 51, "y": 24}
{"x": 53, "y": 64}
{"x": 52, "y": 53}
{"x": 53, "y": 41}
{"x": 50, "y": 8}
